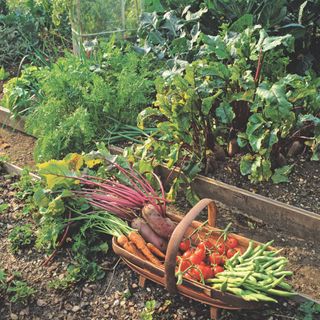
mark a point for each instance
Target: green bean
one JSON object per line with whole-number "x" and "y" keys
{"x": 220, "y": 280}
{"x": 271, "y": 262}
{"x": 259, "y": 251}
{"x": 283, "y": 273}
{"x": 263, "y": 297}
{"x": 276, "y": 265}
{"x": 281, "y": 293}
{"x": 233, "y": 259}
{"x": 275, "y": 283}
{"x": 248, "y": 252}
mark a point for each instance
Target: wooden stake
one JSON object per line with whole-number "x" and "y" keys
{"x": 214, "y": 313}
{"x": 142, "y": 281}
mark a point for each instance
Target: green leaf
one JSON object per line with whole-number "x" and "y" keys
{"x": 242, "y": 23}
{"x": 190, "y": 75}
{"x": 281, "y": 174}
{"x": 215, "y": 45}
{"x": 225, "y": 113}
{"x": 3, "y": 207}
{"x": 40, "y": 198}
{"x": 270, "y": 43}
{"x": 146, "y": 113}
{"x": 242, "y": 139}
{"x": 260, "y": 170}
{"x": 208, "y": 102}
{"x": 246, "y": 164}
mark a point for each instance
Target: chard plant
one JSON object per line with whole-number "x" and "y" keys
{"x": 237, "y": 90}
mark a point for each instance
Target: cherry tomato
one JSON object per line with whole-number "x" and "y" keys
{"x": 220, "y": 247}
{"x": 188, "y": 253}
{"x": 185, "y": 264}
{"x": 195, "y": 274}
{"x": 231, "y": 252}
{"x": 205, "y": 245}
{"x": 215, "y": 258}
{"x": 185, "y": 245}
{"x": 197, "y": 256}
{"x": 217, "y": 269}
{"x": 232, "y": 242}
{"x": 207, "y": 272}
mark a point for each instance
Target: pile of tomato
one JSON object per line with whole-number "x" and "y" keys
{"x": 205, "y": 260}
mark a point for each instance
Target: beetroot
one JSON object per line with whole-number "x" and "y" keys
{"x": 148, "y": 234}
{"x": 160, "y": 225}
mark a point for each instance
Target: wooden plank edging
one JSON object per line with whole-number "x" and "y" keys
{"x": 7, "y": 119}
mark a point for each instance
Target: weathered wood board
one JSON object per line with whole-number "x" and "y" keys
{"x": 7, "y": 119}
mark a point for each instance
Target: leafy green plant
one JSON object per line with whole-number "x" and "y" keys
{"x": 58, "y": 219}
{"x": 309, "y": 310}
{"x": 148, "y": 311}
{"x": 201, "y": 108}
{"x": 4, "y": 75}
{"x": 76, "y": 99}
{"x": 20, "y": 291}
{"x": 171, "y": 35}
{"x": 277, "y": 114}
{"x": 20, "y": 237}
{"x": 20, "y": 94}
{"x": 28, "y": 31}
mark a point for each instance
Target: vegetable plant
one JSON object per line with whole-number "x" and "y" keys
{"x": 20, "y": 237}
{"x": 232, "y": 94}
{"x": 71, "y": 103}
{"x": 20, "y": 291}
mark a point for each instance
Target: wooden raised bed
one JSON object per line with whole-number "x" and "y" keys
{"x": 297, "y": 221}
{"x": 7, "y": 119}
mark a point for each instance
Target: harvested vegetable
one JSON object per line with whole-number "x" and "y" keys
{"x": 123, "y": 200}
{"x": 148, "y": 234}
{"x": 142, "y": 246}
{"x": 155, "y": 250}
{"x": 257, "y": 274}
{"x": 164, "y": 227}
{"x": 130, "y": 247}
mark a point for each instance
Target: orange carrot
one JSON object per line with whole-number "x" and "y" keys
{"x": 129, "y": 246}
{"x": 142, "y": 246}
{"x": 122, "y": 240}
{"x": 155, "y": 250}
{"x": 135, "y": 251}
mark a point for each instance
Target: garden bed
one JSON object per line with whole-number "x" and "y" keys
{"x": 301, "y": 191}
{"x": 118, "y": 296}
{"x": 300, "y": 222}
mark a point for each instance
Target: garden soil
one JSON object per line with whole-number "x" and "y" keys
{"x": 302, "y": 189}
{"x": 17, "y": 146}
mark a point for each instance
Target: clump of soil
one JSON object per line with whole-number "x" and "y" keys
{"x": 118, "y": 295}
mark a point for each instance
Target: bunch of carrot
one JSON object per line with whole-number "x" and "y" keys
{"x": 136, "y": 245}
{"x": 127, "y": 237}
